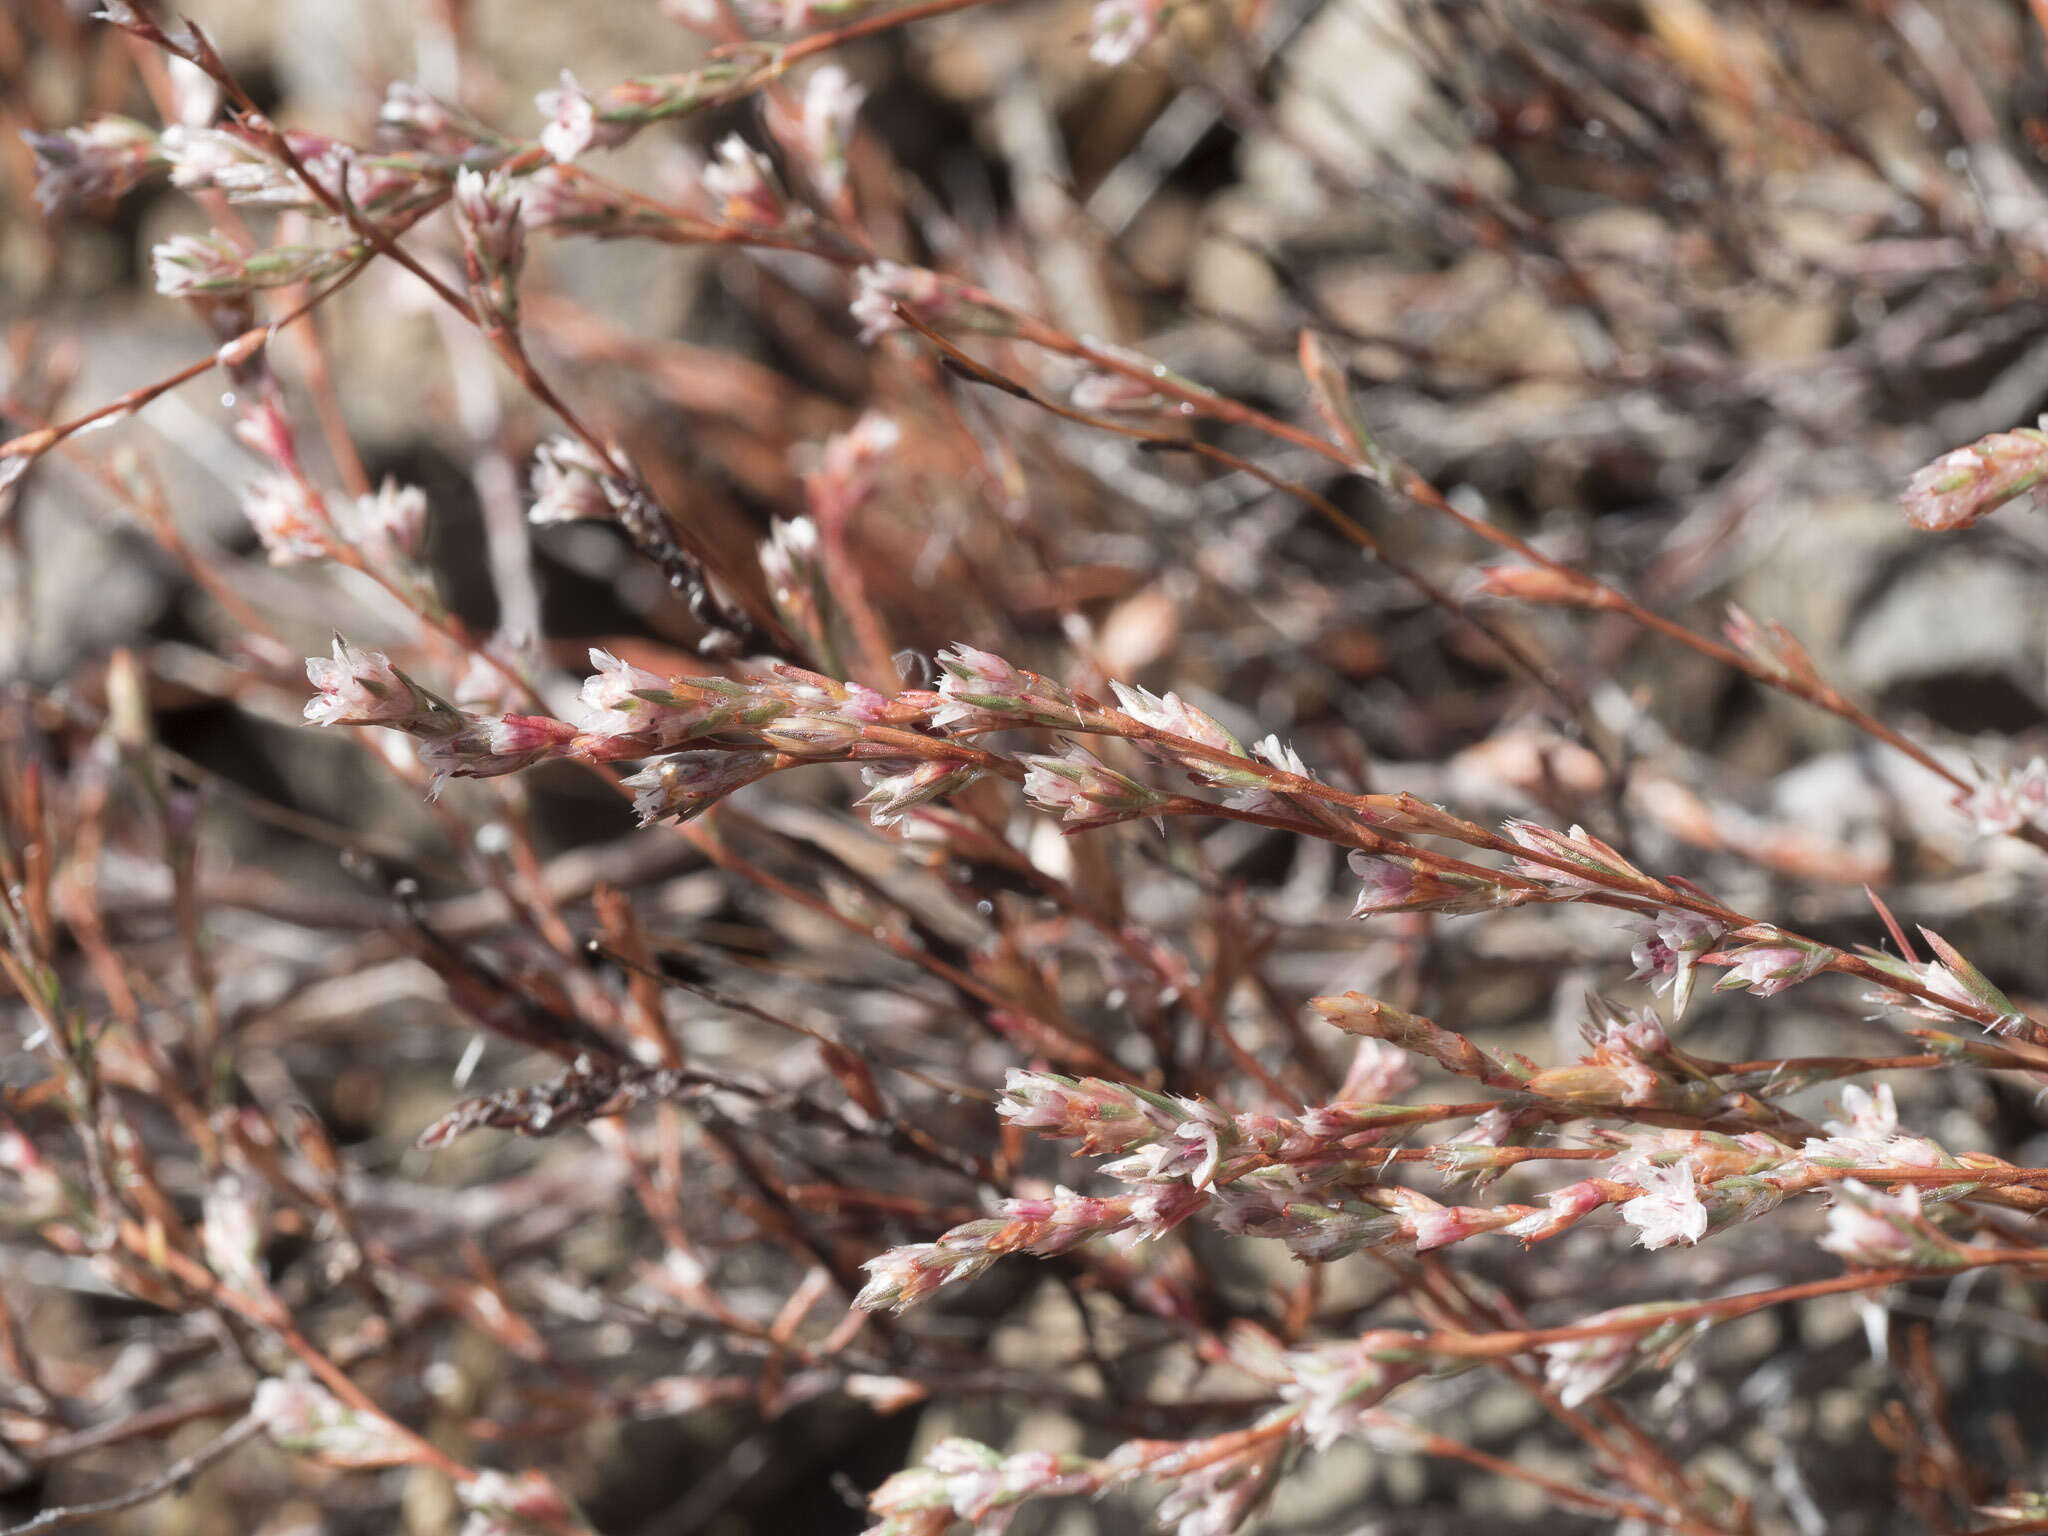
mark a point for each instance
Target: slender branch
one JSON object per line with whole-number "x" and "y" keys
{"x": 171, "y": 1480}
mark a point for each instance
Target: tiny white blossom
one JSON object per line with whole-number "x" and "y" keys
{"x": 1669, "y": 1210}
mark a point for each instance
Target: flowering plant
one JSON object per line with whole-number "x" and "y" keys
{"x": 865, "y": 878}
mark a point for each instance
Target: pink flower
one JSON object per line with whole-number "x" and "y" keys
{"x": 689, "y": 783}
{"x": 1107, "y": 1115}
{"x": 1962, "y": 486}
{"x": 1639, "y": 1085}
{"x": 971, "y": 677}
{"x": 493, "y": 240}
{"x": 1870, "y": 1137}
{"x": 1335, "y": 1386}
{"x": 1440, "y": 1226}
{"x": 1388, "y": 887}
{"x": 1492, "y": 1129}
{"x": 1768, "y": 969}
{"x": 1175, "y": 716}
{"x": 79, "y": 167}
{"x": 831, "y": 102}
{"x": 902, "y": 1277}
{"x": 501, "y": 1504}
{"x": 528, "y": 735}
{"x": 1581, "y": 1368}
{"x": 1083, "y": 792}
{"x": 789, "y": 557}
{"x": 232, "y": 1233}
{"x": 1637, "y": 1033}
{"x": 568, "y": 484}
{"x": 1395, "y": 883}
{"x": 895, "y": 791}
{"x": 1566, "y": 1207}
{"x": 1577, "y": 1369}
{"x": 850, "y": 469}
{"x": 1668, "y": 945}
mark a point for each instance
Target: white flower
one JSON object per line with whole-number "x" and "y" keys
{"x": 880, "y": 286}
{"x": 1175, "y": 716}
{"x": 743, "y": 180}
{"x": 1669, "y": 1210}
{"x": 358, "y": 688}
{"x": 303, "y": 1416}
{"x": 393, "y": 519}
{"x": 1870, "y": 1137}
{"x": 1867, "y": 1226}
{"x": 2008, "y": 799}
{"x": 831, "y": 101}
{"x": 607, "y": 702}
{"x": 232, "y": 1233}
{"x": 1379, "y": 1072}
{"x": 573, "y": 121}
{"x": 1581, "y": 1368}
{"x": 1119, "y": 28}
{"x": 287, "y": 520}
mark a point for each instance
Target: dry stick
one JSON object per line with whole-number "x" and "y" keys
{"x": 1441, "y": 1278}
{"x": 503, "y": 338}
{"x": 1541, "y": 672}
{"x": 1636, "y": 894}
{"x": 33, "y": 445}
{"x": 715, "y": 849}
{"x": 1617, "y": 892}
{"x": 267, "y": 1312}
{"x": 319, "y": 378}
{"x": 1661, "y": 895}
{"x": 1074, "y": 904}
{"x": 1403, "y": 481}
{"x": 1486, "y": 1346}
{"x": 914, "y": 1136}
{"x": 170, "y": 1480}
{"x": 1569, "y": 1494}
{"x": 147, "y": 1424}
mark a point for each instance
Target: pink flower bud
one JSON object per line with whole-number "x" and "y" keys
{"x": 1084, "y": 793}
{"x": 1962, "y": 486}
{"x": 690, "y": 783}
{"x": 1767, "y": 969}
